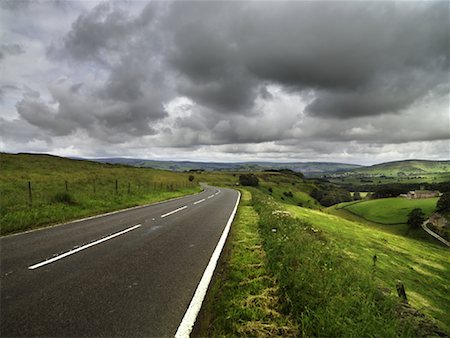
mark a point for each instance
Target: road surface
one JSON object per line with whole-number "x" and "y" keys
{"x": 131, "y": 273}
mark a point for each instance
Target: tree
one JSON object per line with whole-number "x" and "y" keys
{"x": 415, "y": 218}
{"x": 248, "y": 180}
{"x": 443, "y": 204}
{"x": 191, "y": 178}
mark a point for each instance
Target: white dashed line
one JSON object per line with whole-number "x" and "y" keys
{"x": 211, "y": 196}
{"x": 200, "y": 201}
{"x": 174, "y": 211}
{"x": 71, "y": 252}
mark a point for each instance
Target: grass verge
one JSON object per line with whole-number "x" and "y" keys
{"x": 244, "y": 298}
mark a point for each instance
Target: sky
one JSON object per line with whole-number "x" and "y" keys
{"x": 338, "y": 81}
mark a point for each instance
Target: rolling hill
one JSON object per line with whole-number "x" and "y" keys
{"x": 307, "y": 168}
{"x": 407, "y": 167}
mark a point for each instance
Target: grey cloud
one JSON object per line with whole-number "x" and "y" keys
{"x": 360, "y": 68}
{"x": 11, "y": 49}
{"x": 37, "y": 113}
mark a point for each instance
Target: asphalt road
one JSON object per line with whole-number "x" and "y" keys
{"x": 129, "y": 274}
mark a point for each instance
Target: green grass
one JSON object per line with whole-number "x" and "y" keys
{"x": 244, "y": 298}
{"x": 324, "y": 291}
{"x": 91, "y": 189}
{"x": 424, "y": 268}
{"x": 391, "y": 210}
{"x": 283, "y": 273}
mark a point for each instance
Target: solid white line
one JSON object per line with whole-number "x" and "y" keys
{"x": 185, "y": 328}
{"x": 174, "y": 211}
{"x": 202, "y": 200}
{"x": 71, "y": 252}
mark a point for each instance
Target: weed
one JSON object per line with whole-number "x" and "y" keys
{"x": 64, "y": 198}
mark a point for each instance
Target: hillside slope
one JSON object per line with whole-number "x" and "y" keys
{"x": 38, "y": 190}
{"x": 409, "y": 167}
{"x": 422, "y": 267}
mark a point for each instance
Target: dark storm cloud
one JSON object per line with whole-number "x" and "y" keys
{"x": 352, "y": 54}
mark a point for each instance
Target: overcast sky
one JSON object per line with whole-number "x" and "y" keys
{"x": 357, "y": 82}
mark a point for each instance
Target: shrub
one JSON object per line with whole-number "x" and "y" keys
{"x": 288, "y": 194}
{"x": 248, "y": 180}
{"x": 64, "y": 198}
{"x": 443, "y": 203}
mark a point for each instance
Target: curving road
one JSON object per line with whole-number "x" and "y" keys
{"x": 131, "y": 273}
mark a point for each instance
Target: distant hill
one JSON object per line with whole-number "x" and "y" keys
{"x": 307, "y": 168}
{"x": 407, "y": 167}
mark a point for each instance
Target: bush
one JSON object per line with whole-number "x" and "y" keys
{"x": 443, "y": 203}
{"x": 248, "y": 180}
{"x": 191, "y": 178}
{"x": 415, "y": 218}
{"x": 64, "y": 198}
{"x": 288, "y": 194}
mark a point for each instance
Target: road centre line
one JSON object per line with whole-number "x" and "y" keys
{"x": 200, "y": 201}
{"x": 174, "y": 211}
{"x": 71, "y": 252}
{"x": 211, "y": 196}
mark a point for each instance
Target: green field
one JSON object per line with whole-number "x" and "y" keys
{"x": 64, "y": 189}
{"x": 390, "y": 210}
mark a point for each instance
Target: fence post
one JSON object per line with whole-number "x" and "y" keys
{"x": 93, "y": 185}
{"x": 117, "y": 187}
{"x": 129, "y": 188}
{"x": 67, "y": 187}
{"x": 30, "y": 199}
{"x": 401, "y": 291}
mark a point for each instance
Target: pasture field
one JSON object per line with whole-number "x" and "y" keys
{"x": 390, "y": 211}
{"x": 64, "y": 189}
{"x": 424, "y": 268}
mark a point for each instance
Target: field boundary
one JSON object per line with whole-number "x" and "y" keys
{"x": 100, "y": 215}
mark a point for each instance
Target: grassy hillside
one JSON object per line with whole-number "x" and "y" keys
{"x": 63, "y": 189}
{"x": 314, "y": 273}
{"x": 407, "y": 167}
{"x": 411, "y": 172}
{"x": 391, "y": 210}
{"x": 424, "y": 268}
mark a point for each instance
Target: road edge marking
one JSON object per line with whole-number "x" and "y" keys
{"x": 83, "y": 247}
{"x": 187, "y": 323}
